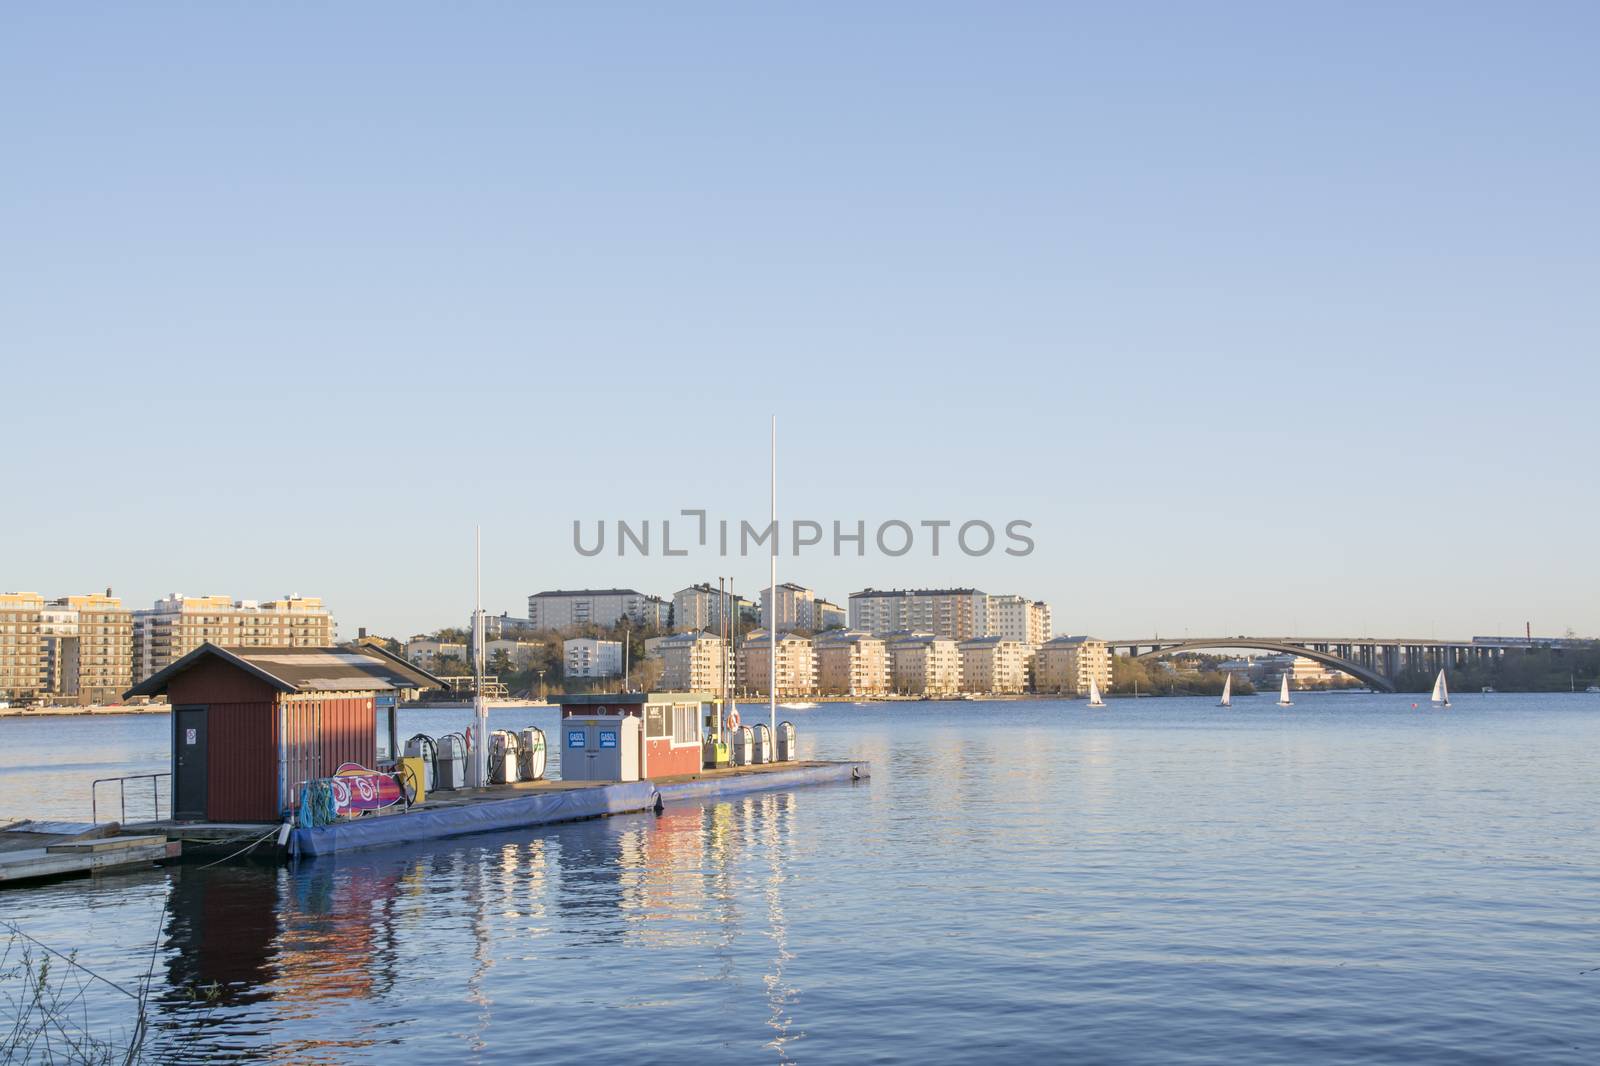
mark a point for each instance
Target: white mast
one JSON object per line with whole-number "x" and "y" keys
{"x": 480, "y": 707}
{"x": 772, "y": 628}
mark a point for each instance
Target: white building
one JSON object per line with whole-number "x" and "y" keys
{"x": 563, "y": 609}
{"x": 587, "y": 657}
{"x": 432, "y": 654}
{"x": 953, "y": 614}
{"x": 826, "y": 615}
{"x": 1018, "y": 618}
{"x": 794, "y": 609}
{"x": 994, "y": 665}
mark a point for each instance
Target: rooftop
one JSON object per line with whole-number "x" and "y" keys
{"x": 352, "y": 668}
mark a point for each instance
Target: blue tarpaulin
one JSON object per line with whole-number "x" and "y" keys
{"x": 547, "y": 807}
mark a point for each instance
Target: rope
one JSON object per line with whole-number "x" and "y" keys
{"x": 270, "y": 832}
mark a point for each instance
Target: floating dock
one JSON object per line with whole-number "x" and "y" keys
{"x": 536, "y": 803}
{"x": 33, "y": 850}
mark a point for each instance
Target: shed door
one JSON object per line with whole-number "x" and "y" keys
{"x": 189, "y": 763}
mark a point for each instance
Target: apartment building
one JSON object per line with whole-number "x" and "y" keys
{"x": 22, "y": 654}
{"x": 586, "y": 657}
{"x": 655, "y": 613}
{"x": 88, "y": 648}
{"x": 951, "y": 614}
{"x": 922, "y": 664}
{"x": 1018, "y": 618}
{"x": 994, "y": 665}
{"x": 438, "y": 655}
{"x": 563, "y": 609}
{"x": 851, "y": 663}
{"x": 1066, "y": 664}
{"x": 792, "y": 608}
{"x": 826, "y": 615}
{"x": 178, "y": 624}
{"x": 693, "y": 662}
{"x": 503, "y": 627}
{"x": 700, "y": 607}
{"x": 519, "y": 653}
{"x": 797, "y": 664}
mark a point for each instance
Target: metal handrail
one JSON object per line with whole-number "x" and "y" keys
{"x": 122, "y": 790}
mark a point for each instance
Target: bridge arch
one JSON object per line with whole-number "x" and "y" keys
{"x": 1371, "y": 678}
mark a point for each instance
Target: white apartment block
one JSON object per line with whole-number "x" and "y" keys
{"x": 692, "y": 662}
{"x": 797, "y": 664}
{"x": 178, "y": 624}
{"x": 921, "y": 664}
{"x": 952, "y": 614}
{"x": 1018, "y": 618}
{"x": 88, "y": 643}
{"x": 700, "y": 607}
{"x": 1066, "y": 664}
{"x": 563, "y": 609}
{"x": 586, "y": 657}
{"x": 851, "y": 663}
{"x": 994, "y": 665}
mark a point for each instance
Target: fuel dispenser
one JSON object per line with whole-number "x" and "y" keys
{"x": 532, "y": 755}
{"x": 744, "y": 745}
{"x": 763, "y": 745}
{"x": 423, "y": 748}
{"x": 451, "y": 772}
{"x": 504, "y": 751}
{"x": 786, "y": 749}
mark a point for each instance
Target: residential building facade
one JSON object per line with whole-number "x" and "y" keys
{"x": 792, "y": 608}
{"x": 178, "y": 624}
{"x": 797, "y": 664}
{"x": 586, "y": 657}
{"x": 1065, "y": 665}
{"x": 826, "y": 615}
{"x": 438, "y": 656}
{"x": 850, "y": 663}
{"x": 700, "y": 607}
{"x": 922, "y": 664}
{"x": 22, "y": 657}
{"x": 88, "y": 648}
{"x": 994, "y": 665}
{"x": 693, "y": 662}
{"x": 563, "y": 608}
{"x": 951, "y": 614}
{"x": 1018, "y": 618}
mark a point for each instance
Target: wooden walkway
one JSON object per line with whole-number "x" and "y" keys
{"x": 33, "y": 850}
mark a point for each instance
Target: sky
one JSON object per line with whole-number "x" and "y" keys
{"x": 1268, "y": 318}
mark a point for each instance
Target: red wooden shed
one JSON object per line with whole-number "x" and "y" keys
{"x": 249, "y": 725}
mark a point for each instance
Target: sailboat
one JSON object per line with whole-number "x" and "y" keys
{"x": 1227, "y": 692}
{"x": 1094, "y": 695}
{"x": 1283, "y": 692}
{"x": 1441, "y": 691}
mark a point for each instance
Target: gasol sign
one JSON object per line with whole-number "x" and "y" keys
{"x": 608, "y": 738}
{"x": 575, "y": 738}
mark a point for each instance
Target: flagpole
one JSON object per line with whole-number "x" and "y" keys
{"x": 772, "y": 628}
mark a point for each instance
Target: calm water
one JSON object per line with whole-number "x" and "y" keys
{"x": 1346, "y": 881}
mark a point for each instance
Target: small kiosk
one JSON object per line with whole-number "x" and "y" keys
{"x": 670, "y": 731}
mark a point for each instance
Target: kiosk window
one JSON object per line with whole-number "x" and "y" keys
{"x": 657, "y": 721}
{"x": 686, "y": 723}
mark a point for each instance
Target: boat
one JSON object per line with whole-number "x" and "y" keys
{"x": 802, "y": 706}
{"x": 1488, "y": 690}
{"x": 1283, "y": 693}
{"x": 1441, "y": 691}
{"x": 1592, "y": 688}
{"x": 1227, "y": 692}
{"x": 1094, "y": 695}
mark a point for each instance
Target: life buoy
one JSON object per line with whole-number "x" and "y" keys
{"x": 733, "y": 718}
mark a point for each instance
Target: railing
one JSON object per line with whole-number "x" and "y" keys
{"x": 122, "y": 794}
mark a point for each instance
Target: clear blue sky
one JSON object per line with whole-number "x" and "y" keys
{"x": 1269, "y": 317}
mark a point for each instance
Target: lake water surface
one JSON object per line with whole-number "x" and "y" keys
{"x": 1347, "y": 880}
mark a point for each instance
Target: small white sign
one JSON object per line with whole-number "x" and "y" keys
{"x": 188, "y": 736}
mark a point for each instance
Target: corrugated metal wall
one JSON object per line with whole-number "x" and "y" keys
{"x": 242, "y": 750}
{"x": 324, "y": 731}
{"x": 241, "y": 762}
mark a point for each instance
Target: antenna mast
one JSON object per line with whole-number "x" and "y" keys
{"x": 480, "y": 707}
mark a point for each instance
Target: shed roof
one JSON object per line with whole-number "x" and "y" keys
{"x": 352, "y": 668}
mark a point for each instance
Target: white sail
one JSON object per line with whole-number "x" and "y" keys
{"x": 1094, "y": 695}
{"x": 1227, "y": 692}
{"x": 1441, "y": 690}
{"x": 1283, "y": 692}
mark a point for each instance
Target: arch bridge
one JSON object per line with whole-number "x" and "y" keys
{"x": 1375, "y": 662}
